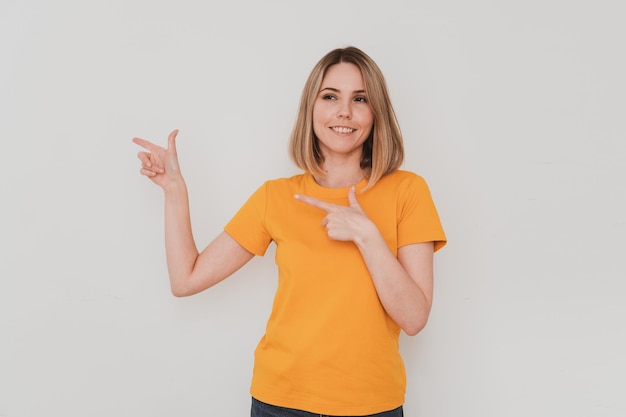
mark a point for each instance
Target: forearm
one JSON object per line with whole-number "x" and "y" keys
{"x": 406, "y": 302}
{"x": 403, "y": 282}
{"x": 180, "y": 247}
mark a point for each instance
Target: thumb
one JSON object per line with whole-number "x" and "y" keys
{"x": 171, "y": 140}
{"x": 352, "y": 198}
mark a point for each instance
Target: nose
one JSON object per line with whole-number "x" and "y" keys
{"x": 345, "y": 110}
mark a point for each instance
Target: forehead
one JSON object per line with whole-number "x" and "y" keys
{"x": 343, "y": 76}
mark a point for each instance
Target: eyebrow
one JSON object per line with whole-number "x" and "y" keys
{"x": 338, "y": 91}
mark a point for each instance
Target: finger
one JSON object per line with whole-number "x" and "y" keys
{"x": 147, "y": 172}
{"x": 144, "y": 157}
{"x": 145, "y": 144}
{"x": 328, "y": 207}
{"x": 171, "y": 140}
{"x": 352, "y": 198}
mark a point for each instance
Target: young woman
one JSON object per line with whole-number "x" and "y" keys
{"x": 354, "y": 236}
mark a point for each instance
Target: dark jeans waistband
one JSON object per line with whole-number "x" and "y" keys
{"x": 261, "y": 409}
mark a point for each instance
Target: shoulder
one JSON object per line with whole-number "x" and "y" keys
{"x": 401, "y": 186}
{"x": 277, "y": 183}
{"x": 402, "y": 179}
{"x": 284, "y": 185}
{"x": 275, "y": 191}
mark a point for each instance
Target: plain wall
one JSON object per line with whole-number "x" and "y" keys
{"x": 512, "y": 111}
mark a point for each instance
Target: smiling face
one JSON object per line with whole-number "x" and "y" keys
{"x": 342, "y": 117}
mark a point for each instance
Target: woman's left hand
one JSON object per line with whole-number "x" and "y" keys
{"x": 404, "y": 282}
{"x": 347, "y": 223}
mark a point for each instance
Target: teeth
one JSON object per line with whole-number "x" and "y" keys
{"x": 343, "y": 129}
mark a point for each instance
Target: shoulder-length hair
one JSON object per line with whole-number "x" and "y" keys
{"x": 383, "y": 151}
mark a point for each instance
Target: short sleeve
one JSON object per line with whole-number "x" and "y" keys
{"x": 418, "y": 220}
{"x": 248, "y": 226}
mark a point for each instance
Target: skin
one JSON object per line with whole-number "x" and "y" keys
{"x": 342, "y": 121}
{"x": 190, "y": 272}
{"x": 404, "y": 284}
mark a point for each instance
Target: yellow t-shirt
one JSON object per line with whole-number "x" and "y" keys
{"x": 329, "y": 346}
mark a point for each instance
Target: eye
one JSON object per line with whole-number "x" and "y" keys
{"x": 328, "y": 97}
{"x": 361, "y": 99}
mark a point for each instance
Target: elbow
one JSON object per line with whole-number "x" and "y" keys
{"x": 179, "y": 292}
{"x": 412, "y": 331}
{"x": 189, "y": 285}
{"x": 180, "y": 289}
{"x": 413, "y": 328}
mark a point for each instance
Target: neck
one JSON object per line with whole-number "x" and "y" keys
{"x": 340, "y": 176}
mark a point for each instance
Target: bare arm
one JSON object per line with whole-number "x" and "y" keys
{"x": 404, "y": 284}
{"x": 190, "y": 272}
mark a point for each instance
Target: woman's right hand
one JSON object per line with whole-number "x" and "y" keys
{"x": 160, "y": 164}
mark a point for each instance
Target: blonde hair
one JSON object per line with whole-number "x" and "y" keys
{"x": 383, "y": 151}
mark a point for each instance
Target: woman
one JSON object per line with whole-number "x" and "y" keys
{"x": 354, "y": 236}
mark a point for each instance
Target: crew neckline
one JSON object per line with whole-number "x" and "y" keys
{"x": 342, "y": 192}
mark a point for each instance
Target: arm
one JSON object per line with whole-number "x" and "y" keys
{"x": 404, "y": 284}
{"x": 190, "y": 272}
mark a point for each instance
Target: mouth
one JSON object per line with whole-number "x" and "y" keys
{"x": 341, "y": 129}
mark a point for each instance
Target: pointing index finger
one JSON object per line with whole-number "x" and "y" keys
{"x": 145, "y": 144}
{"x": 327, "y": 207}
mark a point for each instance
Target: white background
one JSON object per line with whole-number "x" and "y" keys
{"x": 512, "y": 111}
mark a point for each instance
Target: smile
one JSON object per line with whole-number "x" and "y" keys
{"x": 343, "y": 129}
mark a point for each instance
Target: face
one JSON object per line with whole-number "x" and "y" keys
{"x": 342, "y": 117}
